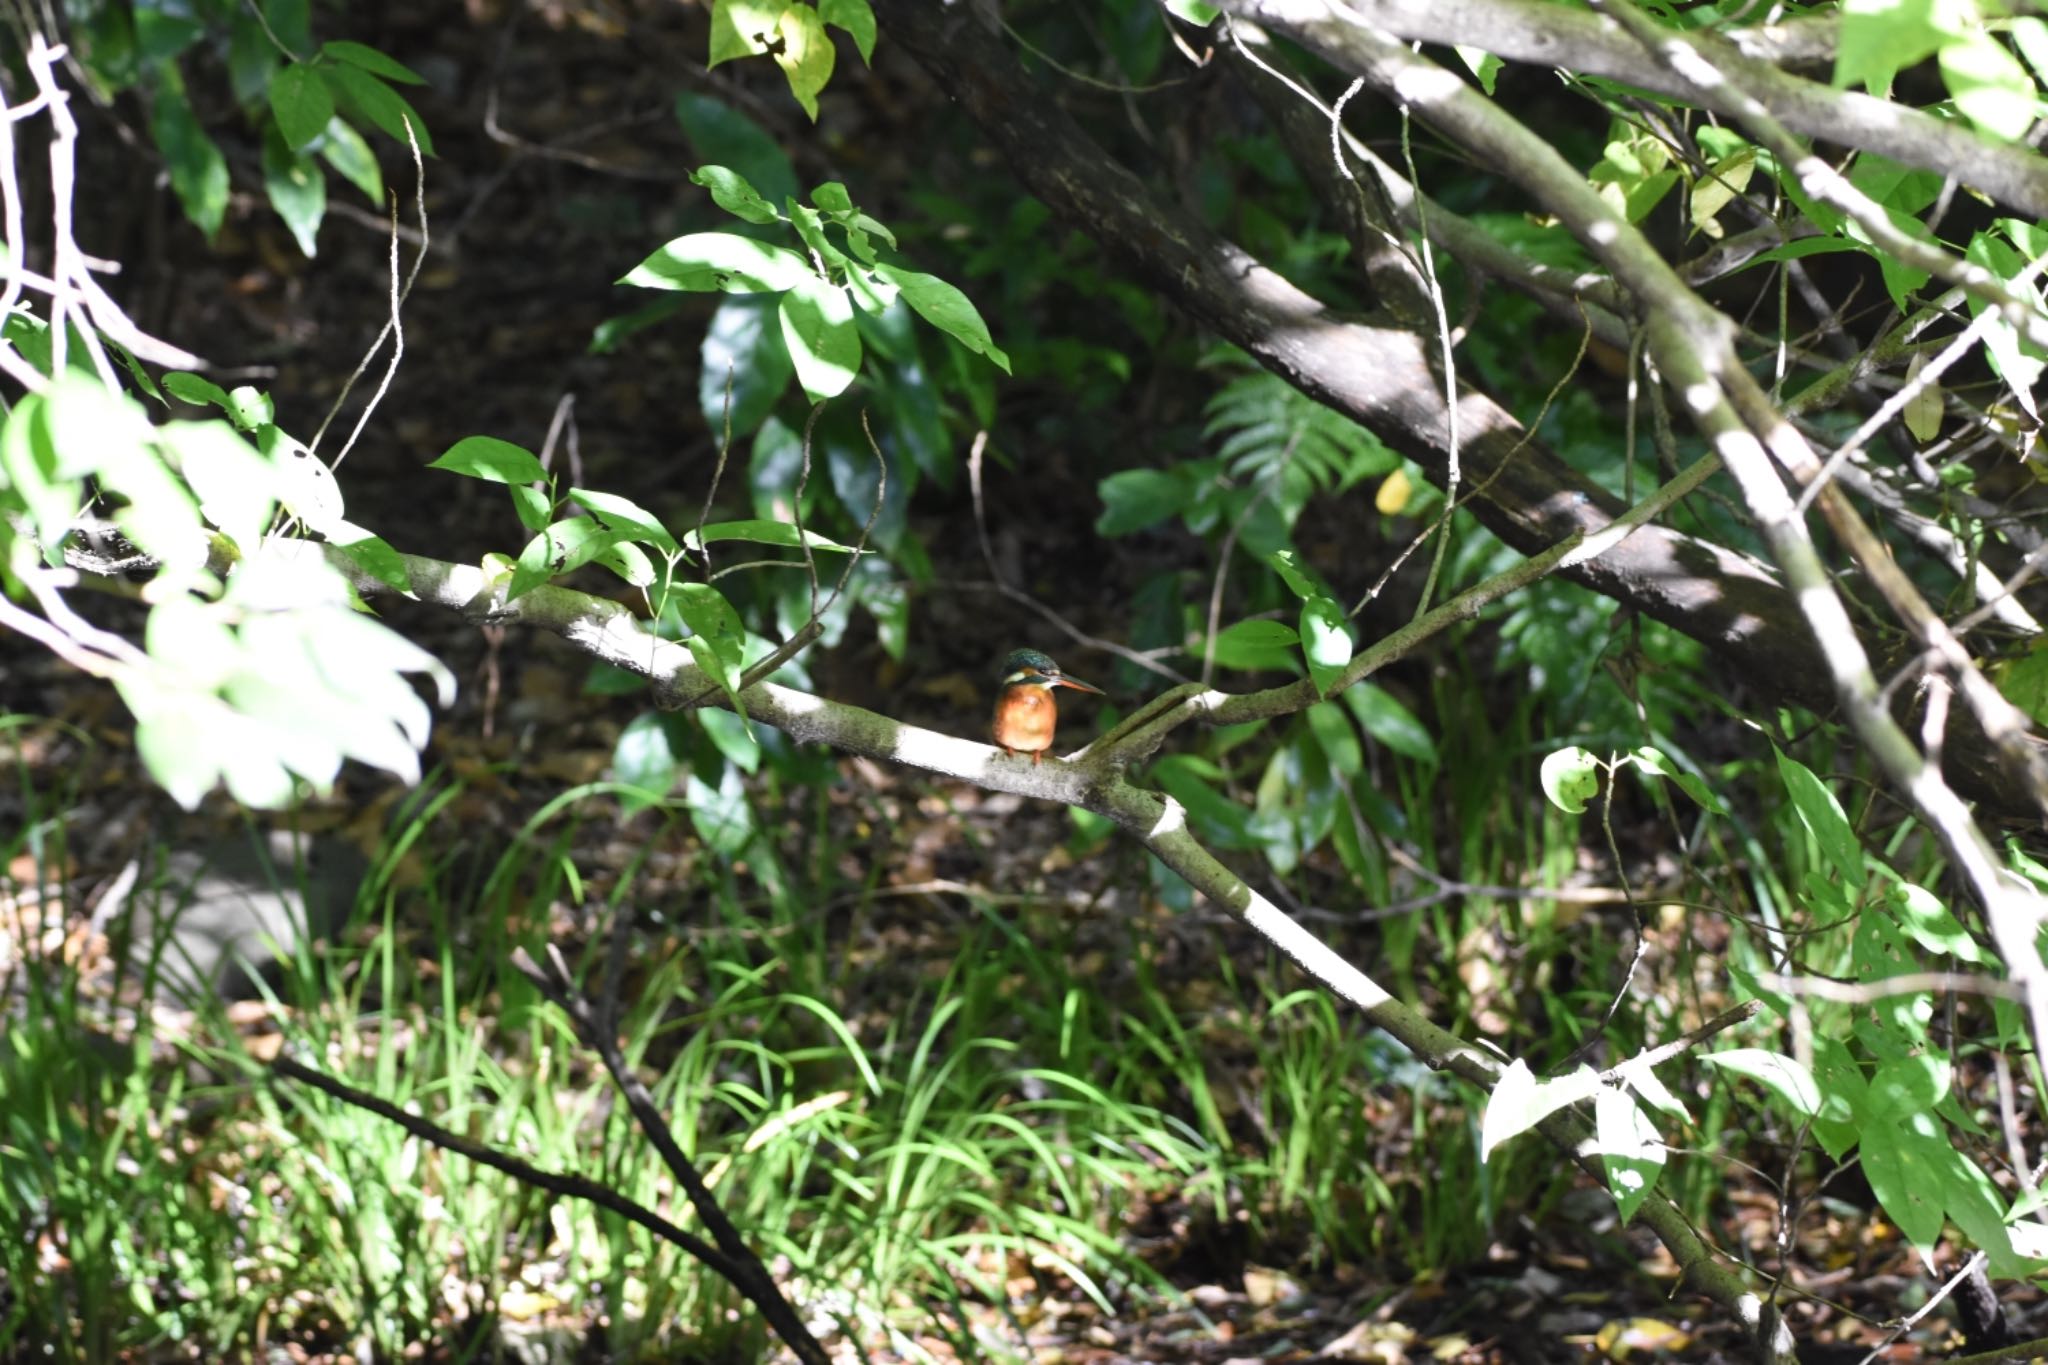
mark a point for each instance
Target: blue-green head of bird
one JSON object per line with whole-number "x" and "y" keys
{"x": 1029, "y": 668}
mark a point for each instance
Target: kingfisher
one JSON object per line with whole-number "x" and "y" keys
{"x": 1025, "y": 712}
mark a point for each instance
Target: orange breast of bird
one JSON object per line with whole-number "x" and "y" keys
{"x": 1025, "y": 718}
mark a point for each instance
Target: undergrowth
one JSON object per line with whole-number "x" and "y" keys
{"x": 925, "y": 1115}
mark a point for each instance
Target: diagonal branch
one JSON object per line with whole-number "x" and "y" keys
{"x": 741, "y": 1266}
{"x": 1693, "y": 348}
{"x": 1553, "y": 35}
{"x": 608, "y": 631}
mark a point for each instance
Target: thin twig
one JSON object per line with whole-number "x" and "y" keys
{"x": 398, "y": 297}
{"x": 568, "y": 1186}
{"x": 718, "y": 474}
{"x": 594, "y": 1027}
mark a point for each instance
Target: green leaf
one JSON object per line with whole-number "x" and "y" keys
{"x": 1903, "y": 1165}
{"x": 721, "y": 659}
{"x": 1290, "y": 569}
{"x": 805, "y": 55}
{"x": 1339, "y": 742}
{"x": 1482, "y": 64}
{"x": 824, "y": 344}
{"x": 731, "y": 192}
{"x": 1902, "y": 1086}
{"x": 1382, "y": 716}
{"x": 1823, "y": 817}
{"x": 196, "y": 389}
{"x": 566, "y": 546}
{"x": 250, "y": 408}
{"x": 1519, "y": 1102}
{"x": 175, "y": 741}
{"x": 372, "y": 555}
{"x": 2018, "y": 362}
{"x": 857, "y": 479}
{"x": 302, "y": 105}
{"x": 1650, "y": 759}
{"x": 743, "y": 343}
{"x": 1630, "y": 1150}
{"x": 721, "y": 815}
{"x": 373, "y": 61}
{"x": 763, "y": 533}
{"x": 161, "y": 36}
{"x": 235, "y": 485}
{"x": 947, "y": 309}
{"x": 1138, "y": 498}
{"x": 646, "y": 757}
{"x": 624, "y": 516}
{"x": 30, "y": 465}
{"x": 743, "y": 28}
{"x": 707, "y": 613}
{"x": 297, "y": 190}
{"x": 2030, "y": 35}
{"x": 1256, "y": 645}
{"x": 379, "y": 103}
{"x": 723, "y": 136}
{"x": 1217, "y": 819}
{"x": 629, "y": 562}
{"x": 1783, "y": 1076}
{"x": 886, "y": 601}
{"x": 492, "y": 460}
{"x": 1646, "y": 194}
{"x": 732, "y": 736}
{"x": 810, "y": 226}
{"x": 534, "y": 566}
{"x": 1325, "y": 641}
{"x": 292, "y": 22}
{"x": 857, "y": 19}
{"x": 352, "y": 159}
{"x": 1728, "y": 177}
{"x": 774, "y": 468}
{"x": 705, "y": 262}
{"x": 193, "y": 639}
{"x": 534, "y": 508}
{"x": 607, "y": 335}
{"x": 199, "y": 173}
{"x": 1842, "y": 1096}
{"x": 1930, "y": 924}
{"x": 1196, "y": 12}
{"x": 1990, "y": 86}
{"x": 89, "y": 427}
{"x": 1570, "y": 778}
{"x": 1880, "y": 38}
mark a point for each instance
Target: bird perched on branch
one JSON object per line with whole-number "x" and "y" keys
{"x": 1025, "y": 712}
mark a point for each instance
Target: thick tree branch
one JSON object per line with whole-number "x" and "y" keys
{"x": 1380, "y": 376}
{"x": 1595, "y": 45}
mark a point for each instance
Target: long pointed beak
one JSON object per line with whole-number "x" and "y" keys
{"x": 1064, "y": 680}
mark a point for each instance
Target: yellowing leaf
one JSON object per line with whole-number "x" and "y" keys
{"x": 1923, "y": 409}
{"x": 1724, "y": 180}
{"x": 743, "y": 28}
{"x": 1392, "y": 497}
{"x": 1621, "y": 1339}
{"x": 806, "y": 55}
